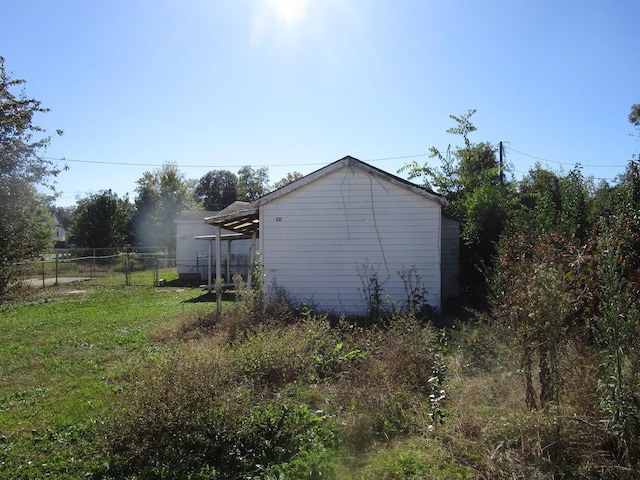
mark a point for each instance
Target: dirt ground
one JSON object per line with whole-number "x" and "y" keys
{"x": 49, "y": 282}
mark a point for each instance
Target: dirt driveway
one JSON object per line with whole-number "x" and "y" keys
{"x": 50, "y": 282}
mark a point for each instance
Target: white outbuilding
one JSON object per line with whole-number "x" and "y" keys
{"x": 332, "y": 235}
{"x": 194, "y": 248}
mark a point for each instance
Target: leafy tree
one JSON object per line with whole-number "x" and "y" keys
{"x": 634, "y": 116}
{"x": 252, "y": 183}
{"x": 103, "y": 220}
{"x": 291, "y": 177}
{"x": 217, "y": 189}
{"x": 24, "y": 216}
{"x": 25, "y": 227}
{"x": 576, "y": 193}
{"x": 551, "y": 203}
{"x": 634, "y": 119}
{"x": 539, "y": 195}
{"x": 472, "y": 180}
{"x": 162, "y": 195}
{"x": 610, "y": 201}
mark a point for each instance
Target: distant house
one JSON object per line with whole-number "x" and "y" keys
{"x": 58, "y": 232}
{"x": 194, "y": 247}
{"x": 323, "y": 237}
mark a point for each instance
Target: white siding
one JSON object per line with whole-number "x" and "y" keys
{"x": 316, "y": 239}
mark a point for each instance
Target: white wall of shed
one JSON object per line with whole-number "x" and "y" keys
{"x": 316, "y": 240}
{"x": 189, "y": 248}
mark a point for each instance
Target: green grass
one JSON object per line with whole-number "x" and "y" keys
{"x": 61, "y": 355}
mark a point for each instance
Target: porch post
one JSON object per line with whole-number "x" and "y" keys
{"x": 210, "y": 265}
{"x": 252, "y": 259}
{"x": 229, "y": 260}
{"x": 218, "y": 269}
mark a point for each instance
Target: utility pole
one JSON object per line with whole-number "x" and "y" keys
{"x": 501, "y": 165}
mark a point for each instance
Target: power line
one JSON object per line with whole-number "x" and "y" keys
{"x": 133, "y": 164}
{"x": 403, "y": 157}
{"x": 562, "y": 163}
{"x": 608, "y": 179}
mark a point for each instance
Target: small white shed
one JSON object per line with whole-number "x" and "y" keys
{"x": 193, "y": 248}
{"x": 322, "y": 237}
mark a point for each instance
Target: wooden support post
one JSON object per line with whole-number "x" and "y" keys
{"x": 210, "y": 266}
{"x": 218, "y": 270}
{"x": 252, "y": 259}
{"x": 228, "y": 260}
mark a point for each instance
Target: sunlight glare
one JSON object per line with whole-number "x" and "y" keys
{"x": 289, "y": 11}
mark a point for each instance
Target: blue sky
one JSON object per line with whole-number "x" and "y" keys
{"x": 296, "y": 84}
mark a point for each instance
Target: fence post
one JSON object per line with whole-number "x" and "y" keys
{"x": 126, "y": 269}
{"x": 56, "y": 268}
{"x": 43, "y": 283}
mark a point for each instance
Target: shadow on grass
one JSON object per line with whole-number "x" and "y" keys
{"x": 183, "y": 283}
{"x": 211, "y": 298}
{"x": 206, "y": 297}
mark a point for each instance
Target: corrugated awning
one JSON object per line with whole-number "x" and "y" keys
{"x": 224, "y": 236}
{"x": 239, "y": 217}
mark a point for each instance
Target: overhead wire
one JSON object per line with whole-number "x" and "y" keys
{"x": 134, "y": 164}
{"x": 561, "y": 163}
{"x": 380, "y": 159}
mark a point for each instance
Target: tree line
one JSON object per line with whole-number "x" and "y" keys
{"x": 104, "y": 219}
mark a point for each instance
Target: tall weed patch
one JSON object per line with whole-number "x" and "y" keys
{"x": 219, "y": 408}
{"x": 278, "y": 399}
{"x": 574, "y": 317}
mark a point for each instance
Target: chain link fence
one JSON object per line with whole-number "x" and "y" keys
{"x": 150, "y": 266}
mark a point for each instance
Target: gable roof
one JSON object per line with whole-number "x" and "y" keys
{"x": 243, "y": 216}
{"x": 354, "y": 163}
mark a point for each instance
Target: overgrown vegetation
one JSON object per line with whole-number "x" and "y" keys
{"x": 277, "y": 390}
